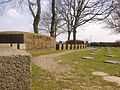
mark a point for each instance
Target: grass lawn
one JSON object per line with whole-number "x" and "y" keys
{"x": 34, "y": 54}
{"x": 79, "y": 77}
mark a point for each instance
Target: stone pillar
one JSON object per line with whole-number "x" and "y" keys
{"x": 68, "y": 46}
{"x": 73, "y": 46}
{"x": 15, "y": 69}
{"x": 64, "y": 46}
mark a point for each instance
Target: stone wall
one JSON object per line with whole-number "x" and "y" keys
{"x": 15, "y": 72}
{"x": 40, "y": 42}
{"x": 28, "y": 41}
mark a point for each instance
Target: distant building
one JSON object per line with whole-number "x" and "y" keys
{"x": 77, "y": 42}
{"x": 108, "y": 44}
{"x": 117, "y": 41}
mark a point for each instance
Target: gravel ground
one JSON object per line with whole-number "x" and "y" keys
{"x": 47, "y": 61}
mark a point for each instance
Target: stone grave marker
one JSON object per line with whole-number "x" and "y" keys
{"x": 110, "y": 55}
{"x": 111, "y": 61}
{"x": 87, "y": 57}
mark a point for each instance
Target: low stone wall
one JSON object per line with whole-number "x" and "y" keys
{"x": 70, "y": 46}
{"x": 15, "y": 72}
{"x": 39, "y": 42}
{"x": 28, "y": 41}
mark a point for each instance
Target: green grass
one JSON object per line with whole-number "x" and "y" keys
{"x": 44, "y": 80}
{"x": 79, "y": 77}
{"x": 20, "y": 32}
{"x": 45, "y": 52}
{"x": 40, "y": 78}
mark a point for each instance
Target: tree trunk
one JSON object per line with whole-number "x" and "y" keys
{"x": 74, "y": 35}
{"x": 36, "y": 23}
{"x": 52, "y": 33}
{"x": 37, "y": 17}
{"x": 69, "y": 35}
{"x": 55, "y": 32}
{"x": 69, "y": 32}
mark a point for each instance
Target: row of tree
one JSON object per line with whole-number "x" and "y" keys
{"x": 67, "y": 15}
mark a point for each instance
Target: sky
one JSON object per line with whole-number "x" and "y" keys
{"x": 95, "y": 32}
{"x": 14, "y": 20}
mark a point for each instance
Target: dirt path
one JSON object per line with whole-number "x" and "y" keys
{"x": 47, "y": 61}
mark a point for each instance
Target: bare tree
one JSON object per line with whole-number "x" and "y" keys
{"x": 113, "y": 21}
{"x": 36, "y": 15}
{"x": 52, "y": 34}
{"x": 34, "y": 7}
{"x": 66, "y": 14}
{"x": 59, "y": 24}
{"x": 47, "y": 21}
{"x": 79, "y": 12}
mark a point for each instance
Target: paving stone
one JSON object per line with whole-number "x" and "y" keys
{"x": 110, "y": 55}
{"x": 99, "y": 73}
{"x": 87, "y": 57}
{"x": 111, "y": 61}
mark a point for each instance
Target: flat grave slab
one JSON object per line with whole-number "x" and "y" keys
{"x": 111, "y": 61}
{"x": 110, "y": 55}
{"x": 87, "y": 57}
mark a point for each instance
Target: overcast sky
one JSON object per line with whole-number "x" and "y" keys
{"x": 17, "y": 21}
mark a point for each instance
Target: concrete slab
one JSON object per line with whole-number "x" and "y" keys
{"x": 110, "y": 55}
{"x": 87, "y": 57}
{"x": 111, "y": 61}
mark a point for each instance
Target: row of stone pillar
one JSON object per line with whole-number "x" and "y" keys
{"x": 70, "y": 46}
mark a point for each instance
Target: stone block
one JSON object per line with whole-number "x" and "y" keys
{"x": 110, "y": 55}
{"x": 87, "y": 57}
{"x": 15, "y": 69}
{"x": 111, "y": 61}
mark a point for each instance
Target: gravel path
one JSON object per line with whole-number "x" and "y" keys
{"x": 47, "y": 61}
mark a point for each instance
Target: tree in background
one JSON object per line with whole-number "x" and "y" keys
{"x": 78, "y": 12}
{"x": 45, "y": 24}
{"x": 113, "y": 21}
{"x": 35, "y": 9}
{"x": 52, "y": 32}
{"x": 33, "y": 5}
{"x": 47, "y": 20}
{"x": 66, "y": 13}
